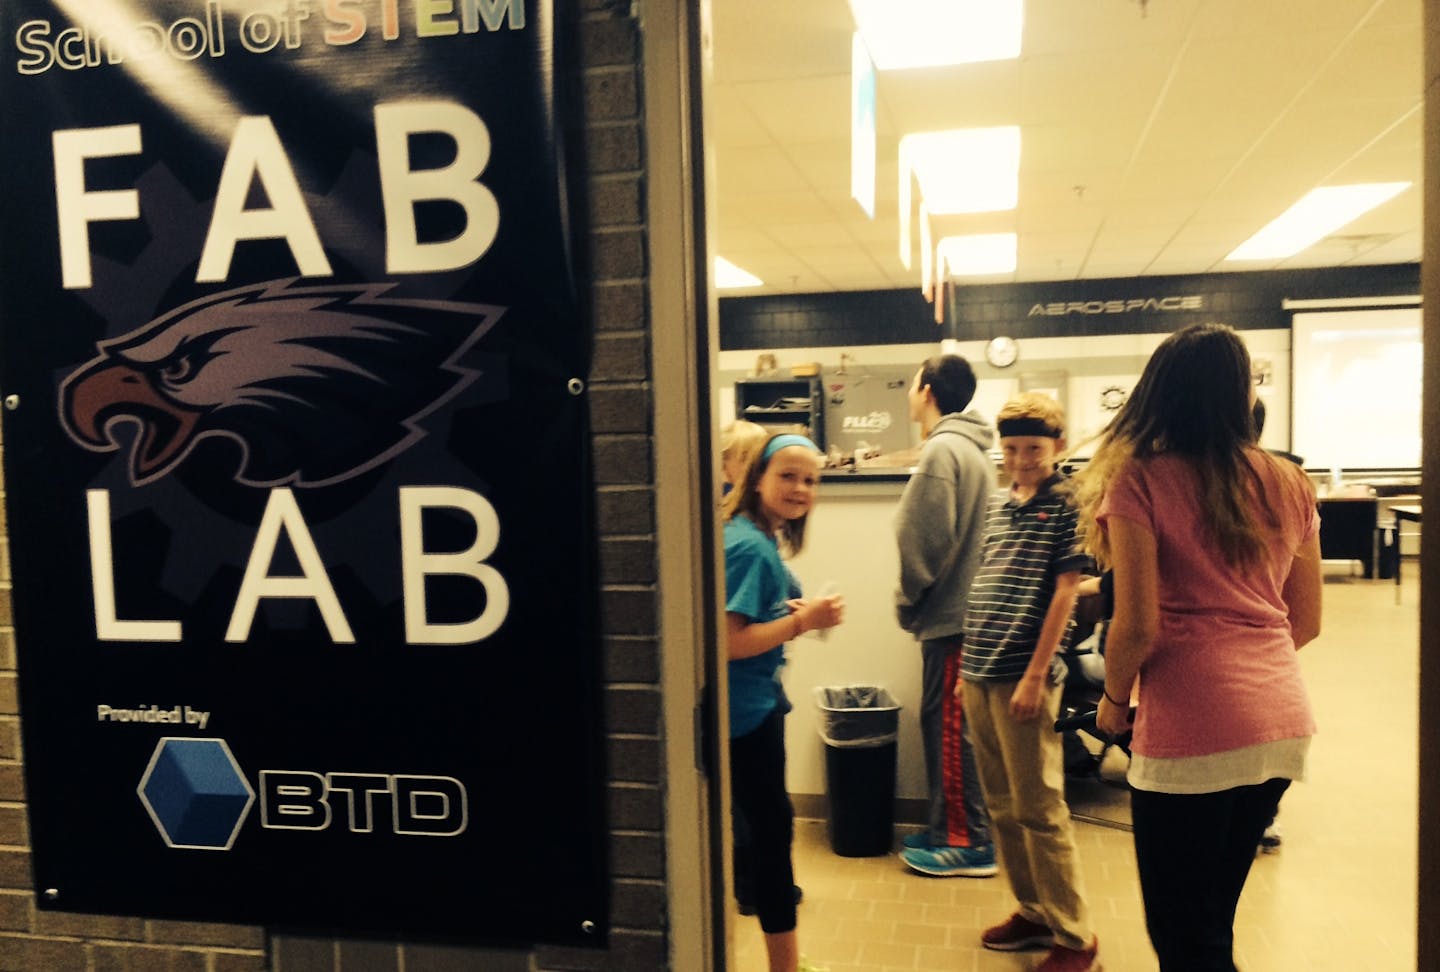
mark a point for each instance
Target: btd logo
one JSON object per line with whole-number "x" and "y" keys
{"x": 198, "y": 798}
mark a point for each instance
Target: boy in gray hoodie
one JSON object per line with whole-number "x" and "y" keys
{"x": 940, "y": 531}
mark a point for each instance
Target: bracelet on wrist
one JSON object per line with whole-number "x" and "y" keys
{"x": 1112, "y": 700}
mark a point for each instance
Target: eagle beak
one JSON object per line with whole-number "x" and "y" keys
{"x": 108, "y": 392}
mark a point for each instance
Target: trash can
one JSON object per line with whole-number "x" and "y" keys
{"x": 860, "y": 727}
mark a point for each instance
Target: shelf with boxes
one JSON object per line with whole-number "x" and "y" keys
{"x": 783, "y": 405}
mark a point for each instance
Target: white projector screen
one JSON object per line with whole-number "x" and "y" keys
{"x": 1357, "y": 377}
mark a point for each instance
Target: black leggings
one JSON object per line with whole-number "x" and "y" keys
{"x": 757, "y": 788}
{"x": 1195, "y": 852}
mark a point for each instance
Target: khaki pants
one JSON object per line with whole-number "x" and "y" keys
{"x": 1022, "y": 773}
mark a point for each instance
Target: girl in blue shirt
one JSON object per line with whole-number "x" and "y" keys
{"x": 763, "y": 610}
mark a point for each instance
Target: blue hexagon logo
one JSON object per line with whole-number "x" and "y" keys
{"x": 194, "y": 791}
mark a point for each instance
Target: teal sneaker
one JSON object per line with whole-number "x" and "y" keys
{"x": 917, "y": 841}
{"x": 808, "y": 966}
{"x": 976, "y": 862}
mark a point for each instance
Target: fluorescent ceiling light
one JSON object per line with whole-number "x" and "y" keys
{"x": 963, "y": 170}
{"x": 932, "y": 33}
{"x": 1319, "y": 213}
{"x": 976, "y": 255}
{"x": 730, "y": 277}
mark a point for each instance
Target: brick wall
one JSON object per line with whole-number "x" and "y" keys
{"x": 38, "y": 941}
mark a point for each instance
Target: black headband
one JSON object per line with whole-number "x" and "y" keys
{"x": 1027, "y": 426}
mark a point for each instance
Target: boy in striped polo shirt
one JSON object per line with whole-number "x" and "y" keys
{"x": 1017, "y": 619}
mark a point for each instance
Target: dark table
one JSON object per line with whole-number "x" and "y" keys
{"x": 1347, "y": 529}
{"x": 1409, "y": 512}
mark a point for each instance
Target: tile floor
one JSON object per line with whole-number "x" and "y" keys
{"x": 1339, "y": 895}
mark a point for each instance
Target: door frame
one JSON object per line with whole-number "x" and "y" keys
{"x": 684, "y": 337}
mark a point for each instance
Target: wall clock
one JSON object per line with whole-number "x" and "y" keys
{"x": 1002, "y": 352}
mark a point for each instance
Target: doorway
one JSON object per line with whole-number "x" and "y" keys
{"x": 778, "y": 166}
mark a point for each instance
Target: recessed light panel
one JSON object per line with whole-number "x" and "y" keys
{"x": 964, "y": 170}
{"x": 730, "y": 277}
{"x": 977, "y": 254}
{"x": 904, "y": 34}
{"x": 1319, "y": 213}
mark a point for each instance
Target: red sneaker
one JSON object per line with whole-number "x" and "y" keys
{"x": 1017, "y": 933}
{"x": 1062, "y": 959}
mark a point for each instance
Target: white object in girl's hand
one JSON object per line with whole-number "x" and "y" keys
{"x": 827, "y": 589}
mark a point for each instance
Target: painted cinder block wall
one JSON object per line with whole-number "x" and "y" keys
{"x": 608, "y": 76}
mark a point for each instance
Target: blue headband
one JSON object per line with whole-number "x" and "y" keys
{"x": 1027, "y": 426}
{"x": 784, "y": 441}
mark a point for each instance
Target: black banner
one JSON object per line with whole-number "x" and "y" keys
{"x": 296, "y": 457}
{"x": 1070, "y": 308}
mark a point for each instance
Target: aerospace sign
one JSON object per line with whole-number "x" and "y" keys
{"x": 296, "y": 462}
{"x": 1132, "y": 305}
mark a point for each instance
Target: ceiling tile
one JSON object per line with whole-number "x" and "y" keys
{"x": 767, "y": 210}
{"x": 798, "y": 235}
{"x": 1224, "y": 18}
{"x": 1380, "y": 62}
{"x": 730, "y": 125}
{"x": 807, "y": 109}
{"x": 763, "y": 169}
{"x": 774, "y": 41}
{"x": 965, "y": 96}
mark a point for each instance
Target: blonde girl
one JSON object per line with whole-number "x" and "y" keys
{"x": 739, "y": 441}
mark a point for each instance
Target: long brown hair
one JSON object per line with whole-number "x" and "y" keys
{"x": 1192, "y": 399}
{"x": 745, "y": 498}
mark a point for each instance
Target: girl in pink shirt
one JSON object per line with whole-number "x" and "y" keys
{"x": 1216, "y": 551}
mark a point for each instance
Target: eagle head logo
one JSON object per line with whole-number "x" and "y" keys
{"x": 316, "y": 384}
